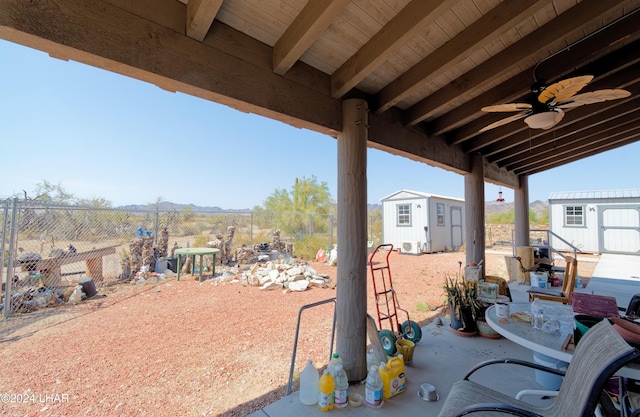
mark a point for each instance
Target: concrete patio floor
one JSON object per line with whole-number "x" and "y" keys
{"x": 442, "y": 358}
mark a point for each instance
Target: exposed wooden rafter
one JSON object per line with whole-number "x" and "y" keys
{"x": 425, "y": 67}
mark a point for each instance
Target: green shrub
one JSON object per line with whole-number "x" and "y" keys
{"x": 201, "y": 241}
{"x": 309, "y": 246}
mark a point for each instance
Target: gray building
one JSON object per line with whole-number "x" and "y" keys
{"x": 418, "y": 222}
{"x": 596, "y": 221}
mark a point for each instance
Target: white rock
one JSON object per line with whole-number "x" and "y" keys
{"x": 227, "y": 277}
{"x": 299, "y": 285}
{"x": 324, "y": 277}
{"x": 296, "y": 278}
{"x": 272, "y": 286}
{"x": 317, "y": 283}
{"x": 253, "y": 280}
{"x": 264, "y": 280}
{"x": 294, "y": 271}
{"x": 274, "y": 274}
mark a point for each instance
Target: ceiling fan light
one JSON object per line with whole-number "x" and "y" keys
{"x": 543, "y": 120}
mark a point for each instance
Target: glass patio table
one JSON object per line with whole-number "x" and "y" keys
{"x": 524, "y": 334}
{"x": 549, "y": 344}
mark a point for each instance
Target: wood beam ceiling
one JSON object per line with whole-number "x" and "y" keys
{"x": 314, "y": 19}
{"x": 483, "y": 31}
{"x": 200, "y": 16}
{"x": 232, "y": 53}
{"x": 403, "y": 27}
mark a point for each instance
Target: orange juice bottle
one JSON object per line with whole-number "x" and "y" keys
{"x": 326, "y": 392}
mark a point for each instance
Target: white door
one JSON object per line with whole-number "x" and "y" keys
{"x": 619, "y": 229}
{"x": 456, "y": 227}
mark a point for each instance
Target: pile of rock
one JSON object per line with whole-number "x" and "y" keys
{"x": 277, "y": 275}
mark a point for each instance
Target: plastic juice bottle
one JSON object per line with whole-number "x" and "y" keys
{"x": 393, "y": 377}
{"x": 309, "y": 379}
{"x": 373, "y": 388}
{"x": 326, "y": 391}
{"x": 341, "y": 383}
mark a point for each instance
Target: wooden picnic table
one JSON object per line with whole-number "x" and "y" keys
{"x": 52, "y": 271}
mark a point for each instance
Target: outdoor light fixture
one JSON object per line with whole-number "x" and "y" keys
{"x": 544, "y": 120}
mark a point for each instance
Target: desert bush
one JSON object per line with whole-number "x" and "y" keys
{"x": 309, "y": 246}
{"x": 201, "y": 241}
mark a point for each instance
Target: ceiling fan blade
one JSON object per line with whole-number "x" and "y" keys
{"x": 505, "y": 121}
{"x": 507, "y": 107}
{"x": 563, "y": 90}
{"x": 594, "y": 97}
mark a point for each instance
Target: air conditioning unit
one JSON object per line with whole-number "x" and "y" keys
{"x": 412, "y": 246}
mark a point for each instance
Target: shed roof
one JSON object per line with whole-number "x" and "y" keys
{"x": 594, "y": 195}
{"x": 420, "y": 194}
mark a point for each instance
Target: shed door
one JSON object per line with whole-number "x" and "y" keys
{"x": 619, "y": 229}
{"x": 456, "y": 227}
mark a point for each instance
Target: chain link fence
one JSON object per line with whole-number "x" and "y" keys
{"x": 48, "y": 250}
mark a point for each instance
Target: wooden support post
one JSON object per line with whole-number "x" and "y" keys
{"x": 474, "y": 211}
{"x": 521, "y": 210}
{"x": 351, "y": 292}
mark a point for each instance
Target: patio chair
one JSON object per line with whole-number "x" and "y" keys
{"x": 564, "y": 295}
{"x": 599, "y": 354}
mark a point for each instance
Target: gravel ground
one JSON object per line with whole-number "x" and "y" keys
{"x": 187, "y": 348}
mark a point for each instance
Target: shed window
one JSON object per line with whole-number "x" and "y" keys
{"x": 440, "y": 213}
{"x": 404, "y": 214}
{"x": 574, "y": 216}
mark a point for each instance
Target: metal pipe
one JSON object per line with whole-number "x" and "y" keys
{"x": 10, "y": 268}
{"x": 295, "y": 341}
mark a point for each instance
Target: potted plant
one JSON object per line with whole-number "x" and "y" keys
{"x": 484, "y": 329}
{"x": 464, "y": 305}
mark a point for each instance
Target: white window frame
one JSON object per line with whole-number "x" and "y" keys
{"x": 403, "y": 215}
{"x": 572, "y": 214}
{"x": 440, "y": 214}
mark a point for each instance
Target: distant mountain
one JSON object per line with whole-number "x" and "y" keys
{"x": 537, "y": 207}
{"x": 167, "y": 206}
{"x": 490, "y": 207}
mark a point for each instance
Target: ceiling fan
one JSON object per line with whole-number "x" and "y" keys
{"x": 545, "y": 109}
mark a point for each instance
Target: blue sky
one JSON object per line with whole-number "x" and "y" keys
{"x": 100, "y": 134}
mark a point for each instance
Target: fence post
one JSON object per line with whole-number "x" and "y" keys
{"x": 3, "y": 245}
{"x": 157, "y": 226}
{"x": 10, "y": 260}
{"x": 251, "y": 232}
